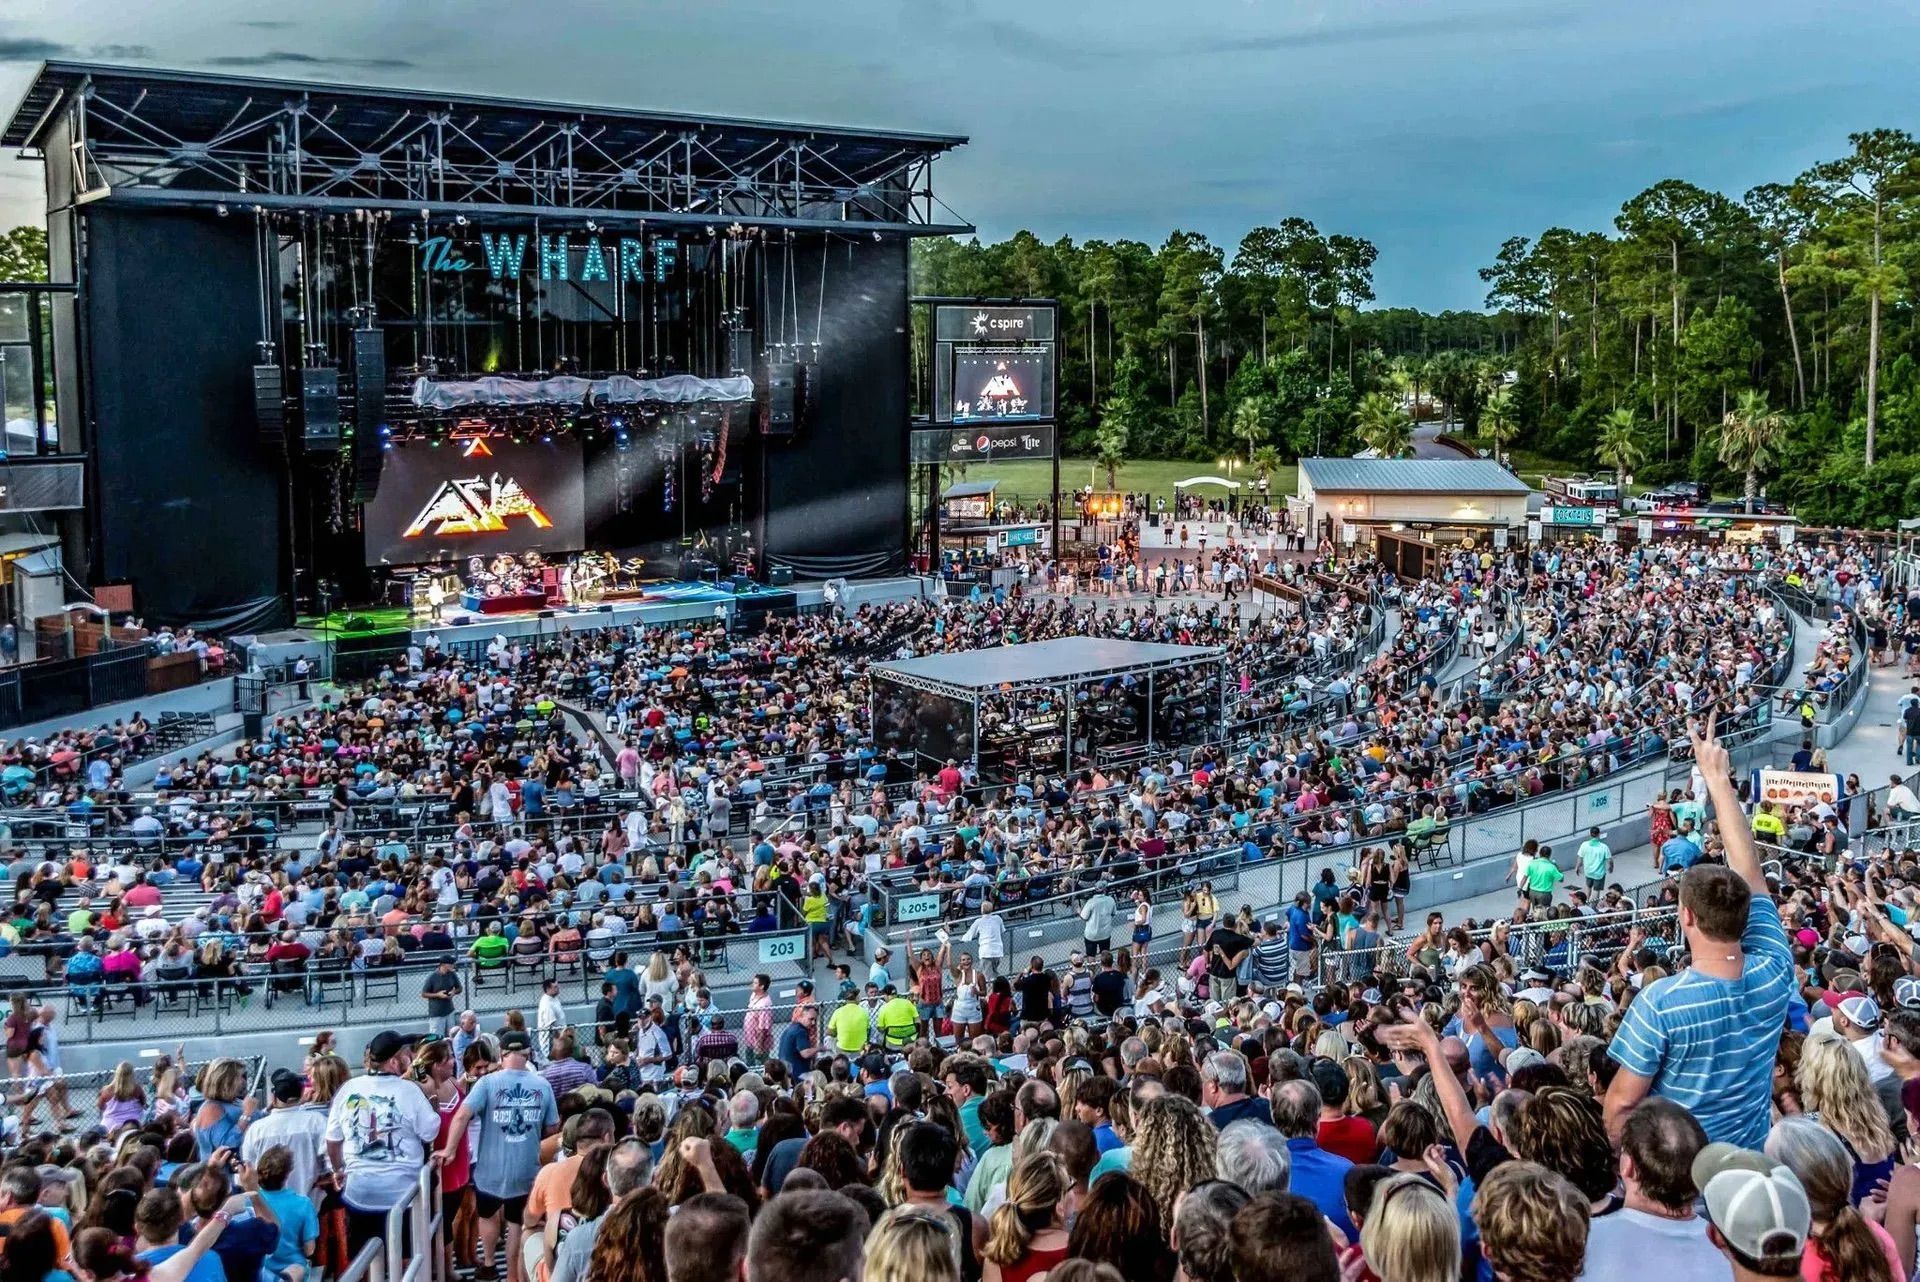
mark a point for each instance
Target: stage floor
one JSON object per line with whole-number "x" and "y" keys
{"x": 665, "y": 602}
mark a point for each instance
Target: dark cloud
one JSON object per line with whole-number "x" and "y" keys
{"x": 1029, "y": 43}
{"x": 267, "y": 24}
{"x": 32, "y": 49}
{"x": 282, "y": 58}
{"x": 122, "y": 53}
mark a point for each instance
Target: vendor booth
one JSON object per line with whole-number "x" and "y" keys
{"x": 1350, "y": 500}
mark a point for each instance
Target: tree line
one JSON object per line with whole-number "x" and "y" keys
{"x": 1767, "y": 340}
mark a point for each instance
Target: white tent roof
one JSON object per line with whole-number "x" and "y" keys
{"x": 1192, "y": 481}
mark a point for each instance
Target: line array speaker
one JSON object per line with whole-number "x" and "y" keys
{"x": 269, "y": 404}
{"x": 369, "y": 411}
{"x": 369, "y": 380}
{"x": 320, "y": 409}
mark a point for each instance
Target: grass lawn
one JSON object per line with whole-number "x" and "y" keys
{"x": 1033, "y": 479}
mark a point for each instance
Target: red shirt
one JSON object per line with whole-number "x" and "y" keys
{"x": 1350, "y": 1137}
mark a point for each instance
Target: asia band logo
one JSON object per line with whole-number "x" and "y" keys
{"x": 1000, "y": 397}
{"x": 476, "y": 505}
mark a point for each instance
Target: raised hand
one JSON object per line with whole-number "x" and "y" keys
{"x": 1709, "y": 754}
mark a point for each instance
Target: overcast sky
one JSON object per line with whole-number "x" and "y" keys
{"x": 1435, "y": 128}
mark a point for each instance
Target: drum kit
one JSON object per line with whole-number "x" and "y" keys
{"x": 505, "y": 575}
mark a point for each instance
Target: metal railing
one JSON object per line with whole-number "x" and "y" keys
{"x": 1561, "y": 945}
{"x": 263, "y": 999}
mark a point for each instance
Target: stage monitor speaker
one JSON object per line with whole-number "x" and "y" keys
{"x": 740, "y": 350}
{"x": 778, "y": 413}
{"x": 270, "y": 404}
{"x": 320, "y": 410}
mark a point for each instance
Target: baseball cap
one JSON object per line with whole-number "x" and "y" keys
{"x": 286, "y": 1084}
{"x": 1523, "y": 1057}
{"x": 1757, "y": 1205}
{"x": 51, "y": 1174}
{"x": 1862, "y": 1011}
{"x": 386, "y": 1045}
{"x": 515, "y": 1040}
{"x": 1906, "y": 992}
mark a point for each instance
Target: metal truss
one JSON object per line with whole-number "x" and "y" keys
{"x": 181, "y": 138}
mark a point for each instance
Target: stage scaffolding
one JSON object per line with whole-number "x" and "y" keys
{"x": 168, "y": 137}
{"x": 930, "y": 709}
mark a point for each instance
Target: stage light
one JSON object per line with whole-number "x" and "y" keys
{"x": 546, "y": 438}
{"x": 221, "y": 210}
{"x": 619, "y": 422}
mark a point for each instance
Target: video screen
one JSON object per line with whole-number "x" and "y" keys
{"x": 1001, "y": 383}
{"x": 477, "y": 497}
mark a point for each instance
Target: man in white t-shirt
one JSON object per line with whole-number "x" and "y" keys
{"x": 379, "y": 1132}
{"x": 991, "y": 934}
{"x": 1657, "y": 1223}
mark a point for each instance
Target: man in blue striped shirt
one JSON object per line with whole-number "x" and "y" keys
{"x": 1706, "y": 1038}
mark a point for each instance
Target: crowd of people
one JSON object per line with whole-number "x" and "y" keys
{"x": 1723, "y": 1083}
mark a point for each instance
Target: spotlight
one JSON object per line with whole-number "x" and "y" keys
{"x": 592, "y": 225}
{"x": 460, "y": 220}
{"x": 546, "y": 438}
{"x": 221, "y": 210}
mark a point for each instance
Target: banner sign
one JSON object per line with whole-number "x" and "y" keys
{"x": 969, "y": 323}
{"x": 1572, "y": 516}
{"x": 982, "y": 444}
{"x": 1785, "y": 788}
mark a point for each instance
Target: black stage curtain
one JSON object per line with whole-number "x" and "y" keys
{"x": 190, "y": 505}
{"x": 838, "y": 492}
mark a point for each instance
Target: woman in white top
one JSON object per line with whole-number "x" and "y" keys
{"x": 969, "y": 1019}
{"x": 658, "y": 981}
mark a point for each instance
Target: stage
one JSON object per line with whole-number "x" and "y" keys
{"x": 387, "y": 629}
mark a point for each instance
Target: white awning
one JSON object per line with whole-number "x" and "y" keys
{"x": 1192, "y": 481}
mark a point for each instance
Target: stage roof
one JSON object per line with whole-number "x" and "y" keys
{"x": 299, "y": 144}
{"x": 1039, "y": 663}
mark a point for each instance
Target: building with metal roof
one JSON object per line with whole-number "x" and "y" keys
{"x": 1409, "y": 476}
{"x": 1347, "y": 499}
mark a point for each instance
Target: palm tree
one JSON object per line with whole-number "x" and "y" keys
{"x": 1497, "y": 420}
{"x": 1748, "y": 435}
{"x": 1619, "y": 445}
{"x": 1265, "y": 461}
{"x": 1383, "y": 424}
{"x": 1250, "y": 422}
